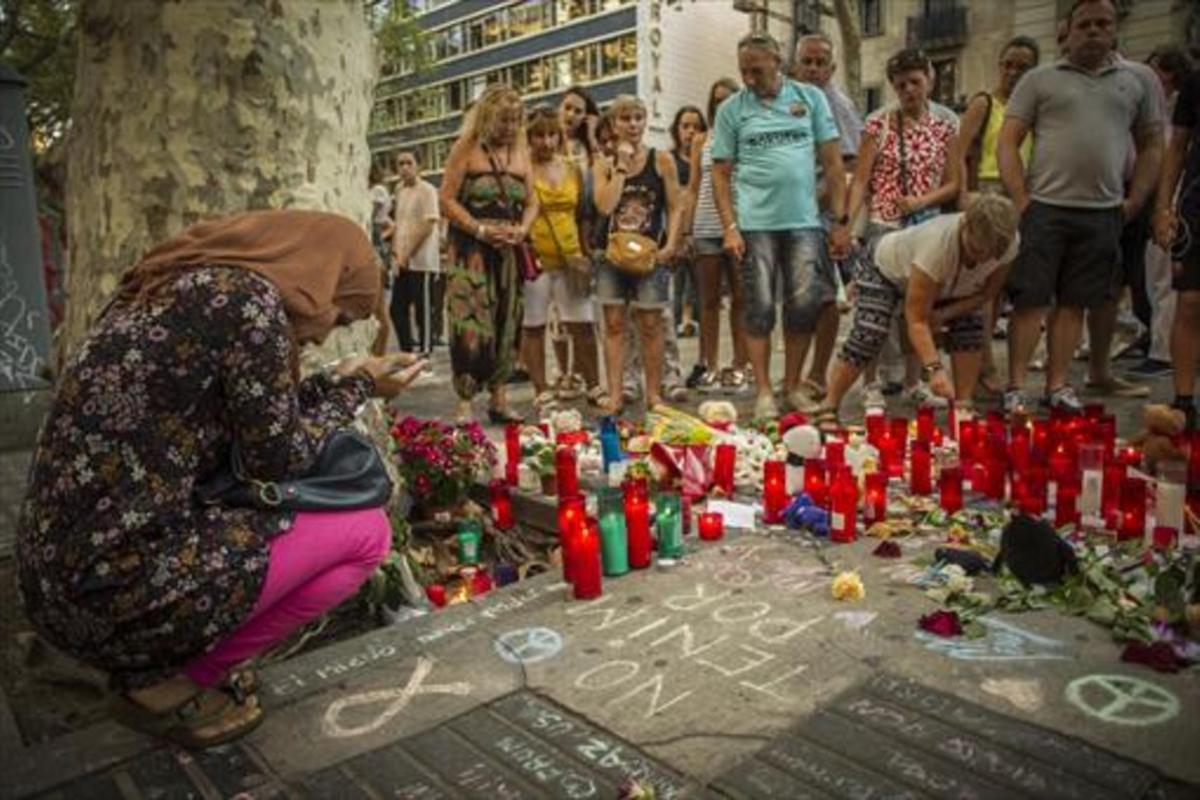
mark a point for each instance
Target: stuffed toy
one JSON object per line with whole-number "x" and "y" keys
{"x": 1161, "y": 440}
{"x": 719, "y": 414}
{"x": 801, "y": 441}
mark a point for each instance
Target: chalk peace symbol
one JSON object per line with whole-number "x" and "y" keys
{"x": 528, "y": 645}
{"x": 1122, "y": 700}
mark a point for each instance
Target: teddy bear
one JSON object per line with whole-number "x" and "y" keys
{"x": 1160, "y": 441}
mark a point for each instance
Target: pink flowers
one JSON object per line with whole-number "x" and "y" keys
{"x": 941, "y": 623}
{"x": 440, "y": 461}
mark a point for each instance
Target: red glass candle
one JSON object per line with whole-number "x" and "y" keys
{"x": 898, "y": 428}
{"x": 876, "y": 426}
{"x": 952, "y": 421}
{"x": 1093, "y": 411}
{"x": 1193, "y": 473}
{"x": 1129, "y": 456}
{"x": 875, "y": 502}
{"x": 843, "y": 518}
{"x": 637, "y": 523}
{"x": 712, "y": 525}
{"x": 586, "y": 559}
{"x": 950, "y": 489}
{"x": 436, "y": 593}
{"x": 835, "y": 454}
{"x": 502, "y": 510}
{"x": 1018, "y": 447}
{"x": 572, "y": 515}
{"x": 1062, "y": 465}
{"x": 814, "y": 481}
{"x": 1040, "y": 440}
{"x": 1110, "y": 497}
{"x": 995, "y": 427}
{"x": 997, "y": 473}
{"x": 512, "y": 452}
{"x": 925, "y": 424}
{"x": 775, "y": 497}
{"x": 1133, "y": 509}
{"x": 724, "y": 460}
{"x": 1034, "y": 501}
{"x": 967, "y": 431}
{"x": 921, "y": 469}
{"x": 1106, "y": 431}
{"x": 481, "y": 583}
{"x": 977, "y": 472}
{"x": 1066, "y": 510}
{"x": 566, "y": 472}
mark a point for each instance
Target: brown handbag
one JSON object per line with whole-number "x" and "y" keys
{"x": 629, "y": 251}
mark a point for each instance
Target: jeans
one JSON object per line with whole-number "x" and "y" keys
{"x": 801, "y": 258}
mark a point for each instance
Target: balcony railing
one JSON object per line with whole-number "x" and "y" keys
{"x": 943, "y": 28}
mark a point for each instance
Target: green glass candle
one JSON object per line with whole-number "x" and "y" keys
{"x": 614, "y": 541}
{"x": 669, "y": 521}
{"x": 470, "y": 534}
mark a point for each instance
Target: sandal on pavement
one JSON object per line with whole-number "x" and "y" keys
{"x": 607, "y": 406}
{"x": 825, "y": 419}
{"x": 502, "y": 416}
{"x": 185, "y": 724}
{"x": 596, "y": 395}
{"x": 546, "y": 401}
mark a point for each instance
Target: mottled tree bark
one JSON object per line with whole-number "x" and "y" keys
{"x": 187, "y": 110}
{"x": 851, "y": 56}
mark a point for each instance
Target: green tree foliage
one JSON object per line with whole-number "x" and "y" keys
{"x": 400, "y": 41}
{"x": 38, "y": 39}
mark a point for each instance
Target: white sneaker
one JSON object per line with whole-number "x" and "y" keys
{"x": 920, "y": 395}
{"x": 765, "y": 407}
{"x": 873, "y": 396}
{"x": 799, "y": 400}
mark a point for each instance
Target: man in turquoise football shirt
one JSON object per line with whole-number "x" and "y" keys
{"x": 771, "y": 133}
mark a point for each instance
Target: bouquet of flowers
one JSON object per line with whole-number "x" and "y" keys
{"x": 438, "y": 461}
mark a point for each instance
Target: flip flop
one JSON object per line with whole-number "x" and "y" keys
{"x": 181, "y": 723}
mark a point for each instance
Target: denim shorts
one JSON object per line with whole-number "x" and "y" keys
{"x": 708, "y": 246}
{"x": 617, "y": 288}
{"x": 801, "y": 258}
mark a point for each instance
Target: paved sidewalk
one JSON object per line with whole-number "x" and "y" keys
{"x": 732, "y": 673}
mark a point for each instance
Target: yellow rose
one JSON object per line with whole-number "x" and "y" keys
{"x": 848, "y": 586}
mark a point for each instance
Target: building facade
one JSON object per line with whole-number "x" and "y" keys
{"x": 667, "y": 53}
{"x": 963, "y": 38}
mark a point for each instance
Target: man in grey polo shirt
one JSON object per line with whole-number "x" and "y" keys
{"x": 1080, "y": 111}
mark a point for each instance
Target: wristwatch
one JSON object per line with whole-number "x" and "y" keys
{"x": 930, "y": 369}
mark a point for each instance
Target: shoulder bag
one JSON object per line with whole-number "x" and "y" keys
{"x": 527, "y": 261}
{"x": 347, "y": 474}
{"x": 629, "y": 251}
{"x": 578, "y": 268}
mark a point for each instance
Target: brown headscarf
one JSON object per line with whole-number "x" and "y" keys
{"x": 322, "y": 263}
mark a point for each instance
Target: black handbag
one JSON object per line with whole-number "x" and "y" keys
{"x": 348, "y": 473}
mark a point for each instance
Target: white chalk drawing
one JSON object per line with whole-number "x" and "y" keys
{"x": 1026, "y": 695}
{"x": 1003, "y": 642}
{"x": 528, "y": 645}
{"x": 855, "y": 620}
{"x": 398, "y": 699}
{"x": 1122, "y": 700}
{"x": 20, "y": 362}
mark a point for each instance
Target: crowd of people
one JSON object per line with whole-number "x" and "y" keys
{"x": 1032, "y": 212}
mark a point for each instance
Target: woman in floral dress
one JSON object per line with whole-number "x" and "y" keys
{"x": 120, "y": 565}
{"x": 487, "y": 195}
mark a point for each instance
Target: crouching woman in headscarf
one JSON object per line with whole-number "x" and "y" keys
{"x": 120, "y": 566}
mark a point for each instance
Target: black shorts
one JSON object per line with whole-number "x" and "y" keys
{"x": 1185, "y": 254}
{"x": 1069, "y": 257}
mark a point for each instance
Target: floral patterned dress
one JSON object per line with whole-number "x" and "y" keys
{"x": 119, "y": 565}
{"x": 483, "y": 288}
{"x": 915, "y": 171}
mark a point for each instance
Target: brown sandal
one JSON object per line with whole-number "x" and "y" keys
{"x": 183, "y": 723}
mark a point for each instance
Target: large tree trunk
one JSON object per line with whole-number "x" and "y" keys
{"x": 851, "y": 55}
{"x": 187, "y": 110}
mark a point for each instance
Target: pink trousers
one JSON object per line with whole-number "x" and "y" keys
{"x": 319, "y": 562}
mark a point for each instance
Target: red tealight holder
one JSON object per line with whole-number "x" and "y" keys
{"x": 1106, "y": 431}
{"x": 1093, "y": 411}
{"x": 875, "y": 502}
{"x": 586, "y": 558}
{"x": 637, "y": 523}
{"x": 950, "y": 489}
{"x": 814, "y": 481}
{"x": 1133, "y": 509}
{"x": 1110, "y": 492}
{"x": 512, "y": 452}
{"x": 481, "y": 583}
{"x": 1193, "y": 473}
{"x": 978, "y": 474}
{"x": 1129, "y": 456}
{"x": 1034, "y": 501}
{"x": 436, "y": 593}
{"x": 572, "y": 515}
{"x": 1040, "y": 441}
{"x": 967, "y": 437}
{"x": 925, "y": 424}
{"x": 843, "y": 517}
{"x": 835, "y": 453}
{"x": 566, "y": 472}
{"x": 997, "y": 473}
{"x": 724, "y": 460}
{"x": 921, "y": 468}
{"x": 775, "y": 496}
{"x": 876, "y": 427}
{"x": 712, "y": 525}
{"x": 502, "y": 510}
{"x": 1066, "y": 510}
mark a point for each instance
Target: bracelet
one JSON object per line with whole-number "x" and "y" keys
{"x": 731, "y": 226}
{"x": 930, "y": 369}
{"x": 479, "y": 228}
